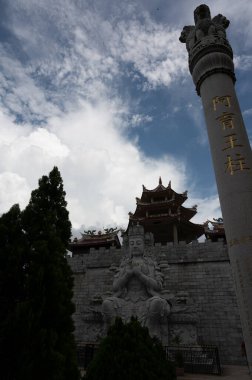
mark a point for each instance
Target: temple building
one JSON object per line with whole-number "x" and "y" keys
{"x": 161, "y": 212}
{"x": 214, "y": 230}
{"x": 91, "y": 239}
{"x": 190, "y": 280}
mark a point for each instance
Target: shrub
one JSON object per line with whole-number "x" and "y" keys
{"x": 129, "y": 353}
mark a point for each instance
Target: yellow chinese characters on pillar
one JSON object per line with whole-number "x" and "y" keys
{"x": 231, "y": 141}
{"x": 225, "y": 100}
{"x": 237, "y": 163}
{"x": 226, "y": 120}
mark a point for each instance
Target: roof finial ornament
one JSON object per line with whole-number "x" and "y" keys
{"x": 160, "y": 181}
{"x": 169, "y": 184}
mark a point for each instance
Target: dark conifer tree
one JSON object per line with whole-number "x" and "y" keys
{"x": 49, "y": 289}
{"x": 129, "y": 353}
{"x": 36, "y": 327}
{"x": 14, "y": 306}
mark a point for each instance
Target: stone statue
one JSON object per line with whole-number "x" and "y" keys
{"x": 211, "y": 30}
{"x": 137, "y": 287}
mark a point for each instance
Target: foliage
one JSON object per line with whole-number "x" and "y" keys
{"x": 42, "y": 320}
{"x": 14, "y": 306}
{"x": 129, "y": 353}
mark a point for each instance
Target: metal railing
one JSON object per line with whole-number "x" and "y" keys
{"x": 196, "y": 359}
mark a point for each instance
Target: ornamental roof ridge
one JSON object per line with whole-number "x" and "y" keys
{"x": 161, "y": 187}
{"x": 194, "y": 207}
{"x": 93, "y": 234}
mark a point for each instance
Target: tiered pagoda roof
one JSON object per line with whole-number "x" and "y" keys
{"x": 161, "y": 212}
{"x": 91, "y": 239}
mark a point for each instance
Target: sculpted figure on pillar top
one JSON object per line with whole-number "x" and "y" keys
{"x": 137, "y": 286}
{"x": 207, "y": 29}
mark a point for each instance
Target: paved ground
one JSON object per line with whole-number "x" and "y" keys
{"x": 229, "y": 373}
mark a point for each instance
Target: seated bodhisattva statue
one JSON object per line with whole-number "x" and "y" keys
{"x": 137, "y": 287}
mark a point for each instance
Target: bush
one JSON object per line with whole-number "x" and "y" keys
{"x": 129, "y": 353}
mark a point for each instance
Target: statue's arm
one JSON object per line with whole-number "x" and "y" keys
{"x": 148, "y": 281}
{"x": 120, "y": 281}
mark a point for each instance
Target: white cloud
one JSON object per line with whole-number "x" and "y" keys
{"x": 208, "y": 208}
{"x": 20, "y": 94}
{"x": 73, "y": 52}
{"x": 139, "y": 119}
{"x": 243, "y": 62}
{"x": 153, "y": 50}
{"x": 27, "y": 151}
{"x": 13, "y": 189}
{"x": 68, "y": 79}
{"x": 102, "y": 171}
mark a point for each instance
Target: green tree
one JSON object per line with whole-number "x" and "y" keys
{"x": 48, "y": 230}
{"x": 14, "y": 309}
{"x": 129, "y": 353}
{"x": 41, "y": 308}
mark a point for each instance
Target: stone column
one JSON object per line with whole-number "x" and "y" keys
{"x": 212, "y": 69}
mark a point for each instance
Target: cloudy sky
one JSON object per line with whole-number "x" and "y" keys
{"x": 101, "y": 89}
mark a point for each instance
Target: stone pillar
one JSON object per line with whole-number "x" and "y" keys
{"x": 212, "y": 69}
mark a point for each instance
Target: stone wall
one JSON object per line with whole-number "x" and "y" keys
{"x": 200, "y": 272}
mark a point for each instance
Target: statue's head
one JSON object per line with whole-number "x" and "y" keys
{"x": 201, "y": 12}
{"x": 136, "y": 240}
{"x": 184, "y": 34}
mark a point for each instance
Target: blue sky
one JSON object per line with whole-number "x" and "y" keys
{"x": 101, "y": 88}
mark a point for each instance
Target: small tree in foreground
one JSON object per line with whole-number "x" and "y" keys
{"x": 129, "y": 353}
